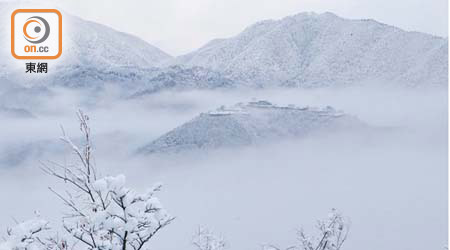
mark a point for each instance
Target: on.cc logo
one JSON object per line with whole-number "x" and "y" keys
{"x": 36, "y": 34}
{"x": 39, "y": 25}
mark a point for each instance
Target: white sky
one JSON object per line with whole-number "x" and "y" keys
{"x": 179, "y": 26}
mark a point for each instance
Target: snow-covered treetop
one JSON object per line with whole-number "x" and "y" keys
{"x": 102, "y": 212}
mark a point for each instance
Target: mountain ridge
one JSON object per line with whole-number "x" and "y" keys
{"x": 298, "y": 51}
{"x": 305, "y": 50}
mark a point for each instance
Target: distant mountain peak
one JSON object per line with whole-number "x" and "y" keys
{"x": 92, "y": 46}
{"x": 303, "y": 50}
{"x": 317, "y": 50}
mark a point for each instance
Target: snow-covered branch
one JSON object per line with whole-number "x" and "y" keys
{"x": 102, "y": 212}
{"x": 33, "y": 234}
{"x": 332, "y": 234}
{"x": 204, "y": 239}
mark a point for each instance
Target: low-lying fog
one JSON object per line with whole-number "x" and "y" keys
{"x": 392, "y": 185}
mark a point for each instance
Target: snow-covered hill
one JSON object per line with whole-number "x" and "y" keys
{"x": 89, "y": 50}
{"x": 305, "y": 50}
{"x": 249, "y": 123}
{"x": 311, "y": 50}
{"x": 182, "y": 78}
{"x": 95, "y": 56}
{"x": 96, "y": 44}
{"x": 137, "y": 82}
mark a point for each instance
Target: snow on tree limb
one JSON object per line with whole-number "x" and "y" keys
{"x": 204, "y": 239}
{"x": 332, "y": 234}
{"x": 102, "y": 212}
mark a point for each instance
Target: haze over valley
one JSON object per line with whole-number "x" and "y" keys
{"x": 254, "y": 136}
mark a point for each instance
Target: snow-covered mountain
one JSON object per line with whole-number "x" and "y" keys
{"x": 310, "y": 50}
{"x": 137, "y": 82}
{"x": 95, "y": 55}
{"x": 89, "y": 49}
{"x": 250, "y": 123}
{"x": 100, "y": 46}
{"x": 182, "y": 78}
{"x": 305, "y": 50}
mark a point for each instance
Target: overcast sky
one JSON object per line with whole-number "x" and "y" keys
{"x": 179, "y": 26}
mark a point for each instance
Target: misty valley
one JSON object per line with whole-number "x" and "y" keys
{"x": 253, "y": 138}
